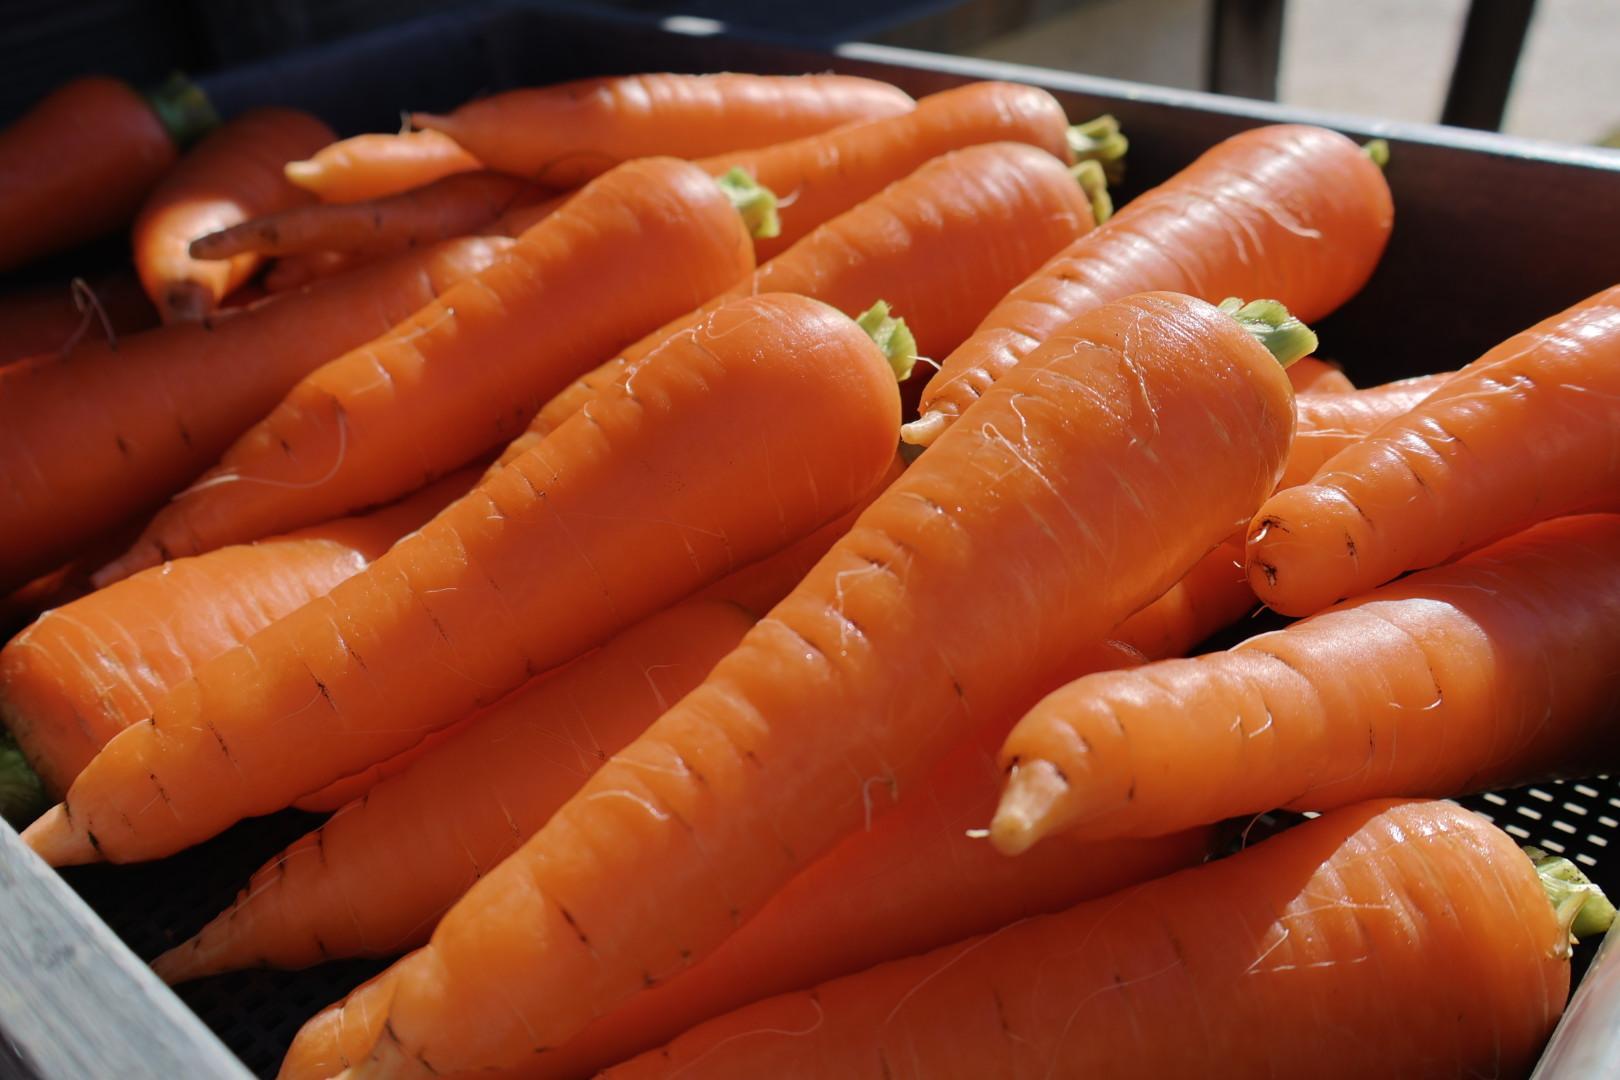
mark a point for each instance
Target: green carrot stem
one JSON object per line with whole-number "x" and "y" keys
{"x": 755, "y": 202}
{"x": 22, "y": 796}
{"x": 1284, "y": 336}
{"x": 1580, "y": 905}
{"x": 1100, "y": 140}
{"x": 1378, "y": 150}
{"x": 183, "y": 109}
{"x": 1094, "y": 182}
{"x": 893, "y": 336}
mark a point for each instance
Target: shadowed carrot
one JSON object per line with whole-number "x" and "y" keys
{"x": 373, "y": 166}
{"x": 51, "y": 319}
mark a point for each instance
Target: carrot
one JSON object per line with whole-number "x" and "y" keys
{"x": 293, "y": 271}
{"x": 1329, "y": 422}
{"x": 919, "y": 623}
{"x": 566, "y": 134}
{"x": 1529, "y": 431}
{"x": 422, "y": 836}
{"x": 1489, "y": 672}
{"x": 149, "y": 415}
{"x": 471, "y": 367}
{"x": 78, "y": 163}
{"x": 453, "y": 206}
{"x": 1308, "y": 375}
{"x": 1387, "y": 939}
{"x": 374, "y": 166}
{"x": 1010, "y": 204}
{"x": 51, "y": 319}
{"x": 613, "y": 518}
{"x": 232, "y": 175}
{"x": 1286, "y": 211}
{"x": 85, "y": 671}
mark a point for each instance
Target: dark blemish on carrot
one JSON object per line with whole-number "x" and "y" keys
{"x": 94, "y": 843}
{"x": 123, "y": 447}
{"x": 185, "y": 436}
{"x": 569, "y": 919}
{"x": 164, "y": 795}
{"x": 226, "y": 750}
{"x": 1269, "y": 571}
{"x": 1265, "y": 525}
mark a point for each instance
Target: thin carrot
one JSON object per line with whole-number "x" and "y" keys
{"x": 85, "y": 671}
{"x": 1158, "y": 416}
{"x": 643, "y": 243}
{"x": 148, "y": 416}
{"x": 1529, "y": 431}
{"x": 373, "y": 880}
{"x": 51, "y": 319}
{"x": 613, "y": 518}
{"x": 566, "y": 134}
{"x": 453, "y": 206}
{"x": 232, "y": 175}
{"x": 294, "y": 271}
{"x": 78, "y": 163}
{"x": 1012, "y": 205}
{"x": 1329, "y": 422}
{"x": 1382, "y": 940}
{"x": 1489, "y": 672}
{"x": 374, "y": 166}
{"x": 1297, "y": 213}
{"x": 1308, "y": 375}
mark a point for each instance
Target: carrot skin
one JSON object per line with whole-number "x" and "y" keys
{"x": 374, "y": 166}
{"x": 1529, "y": 431}
{"x": 151, "y": 414}
{"x": 50, "y": 319}
{"x": 1420, "y": 927}
{"x": 462, "y": 610}
{"x": 1308, "y": 375}
{"x": 1329, "y": 422}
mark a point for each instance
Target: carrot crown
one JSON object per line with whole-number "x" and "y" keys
{"x": 1100, "y": 140}
{"x": 754, "y": 201}
{"x": 22, "y": 796}
{"x": 1378, "y": 150}
{"x": 183, "y": 109}
{"x": 1580, "y": 905}
{"x": 1284, "y": 336}
{"x": 893, "y": 336}
{"x": 1092, "y": 180}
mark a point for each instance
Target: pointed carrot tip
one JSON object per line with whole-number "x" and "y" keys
{"x": 426, "y": 121}
{"x": 55, "y": 840}
{"x": 143, "y": 556}
{"x": 925, "y": 429}
{"x": 172, "y": 967}
{"x": 301, "y": 173}
{"x": 1026, "y": 811}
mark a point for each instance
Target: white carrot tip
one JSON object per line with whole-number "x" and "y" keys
{"x": 1024, "y": 816}
{"x": 55, "y": 840}
{"x": 302, "y": 173}
{"x": 925, "y": 429}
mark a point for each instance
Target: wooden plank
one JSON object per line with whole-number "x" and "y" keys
{"x": 74, "y": 1001}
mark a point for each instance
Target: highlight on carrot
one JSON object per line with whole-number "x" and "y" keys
{"x": 639, "y": 246}
{"x": 149, "y": 414}
{"x": 374, "y": 166}
{"x": 1287, "y": 211}
{"x": 79, "y": 163}
{"x": 1492, "y": 671}
{"x": 1434, "y": 942}
{"x": 232, "y": 175}
{"x": 916, "y": 624}
{"x": 1524, "y": 433}
{"x": 564, "y": 135}
{"x": 772, "y": 393}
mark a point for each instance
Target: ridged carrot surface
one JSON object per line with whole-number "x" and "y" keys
{"x": 232, "y": 175}
{"x": 85, "y": 671}
{"x": 150, "y": 414}
{"x": 373, "y": 166}
{"x": 564, "y": 135}
{"x": 1489, "y": 672}
{"x": 1381, "y": 940}
{"x": 1529, "y": 431}
{"x": 1125, "y": 450}
{"x": 614, "y": 517}
{"x": 642, "y": 244}
{"x": 1297, "y": 214}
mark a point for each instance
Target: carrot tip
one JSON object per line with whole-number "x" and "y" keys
{"x": 302, "y": 173}
{"x": 754, "y": 201}
{"x": 925, "y": 429}
{"x": 1100, "y": 140}
{"x": 1581, "y": 906}
{"x": 22, "y": 795}
{"x": 1284, "y": 336}
{"x": 893, "y": 336}
{"x": 1025, "y": 814}
{"x": 54, "y": 839}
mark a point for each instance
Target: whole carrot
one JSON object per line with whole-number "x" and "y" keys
{"x": 147, "y": 416}
{"x": 613, "y": 518}
{"x": 78, "y": 163}
{"x": 51, "y": 319}
{"x": 1489, "y": 672}
{"x": 566, "y": 134}
{"x": 88, "y": 669}
{"x": 232, "y": 175}
{"x": 643, "y": 243}
{"x": 1296, "y": 213}
{"x": 453, "y": 206}
{"x": 374, "y": 166}
{"x": 1011, "y": 204}
{"x": 1529, "y": 431}
{"x": 1155, "y": 417}
{"x": 1387, "y": 939}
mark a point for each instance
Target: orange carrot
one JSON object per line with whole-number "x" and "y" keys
{"x": 1489, "y": 672}
{"x": 1308, "y": 375}
{"x": 149, "y": 415}
{"x": 1430, "y": 940}
{"x": 564, "y": 135}
{"x": 1157, "y": 417}
{"x": 232, "y": 175}
{"x": 1296, "y": 213}
{"x": 85, "y": 671}
{"x": 613, "y": 518}
{"x": 473, "y": 366}
{"x": 373, "y": 880}
{"x": 1329, "y": 422}
{"x": 78, "y": 163}
{"x": 1011, "y": 204}
{"x": 374, "y": 166}
{"x": 51, "y": 319}
{"x": 453, "y": 206}
{"x": 1529, "y": 431}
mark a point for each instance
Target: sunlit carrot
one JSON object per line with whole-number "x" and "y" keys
{"x": 372, "y": 166}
